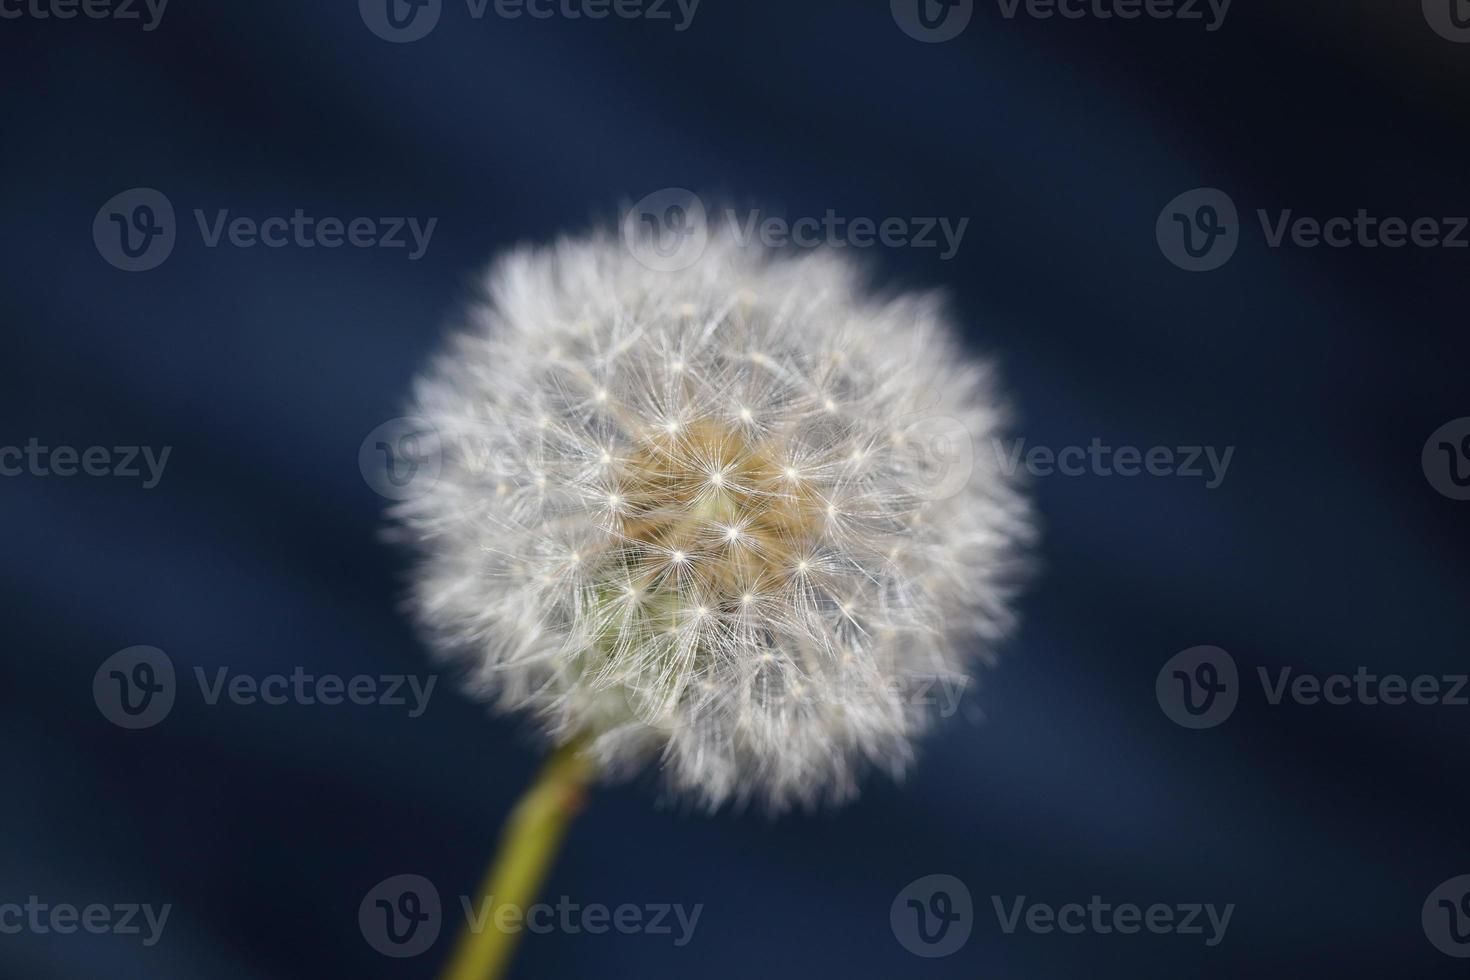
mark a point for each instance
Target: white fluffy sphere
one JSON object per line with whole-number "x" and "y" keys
{"x": 740, "y": 518}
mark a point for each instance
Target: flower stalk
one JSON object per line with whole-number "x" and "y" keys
{"x": 528, "y": 846}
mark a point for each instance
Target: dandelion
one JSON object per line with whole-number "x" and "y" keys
{"x": 704, "y": 520}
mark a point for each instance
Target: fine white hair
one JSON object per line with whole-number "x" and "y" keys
{"x": 741, "y": 518}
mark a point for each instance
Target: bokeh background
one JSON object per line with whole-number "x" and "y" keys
{"x": 1325, "y": 548}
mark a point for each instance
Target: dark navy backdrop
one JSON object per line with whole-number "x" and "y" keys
{"x": 1324, "y": 549}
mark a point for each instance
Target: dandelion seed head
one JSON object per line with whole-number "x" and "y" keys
{"x": 751, "y": 600}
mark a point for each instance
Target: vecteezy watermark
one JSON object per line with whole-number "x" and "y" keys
{"x": 835, "y": 231}
{"x": 1200, "y": 688}
{"x": 1199, "y": 230}
{"x": 934, "y": 21}
{"x": 137, "y": 687}
{"x": 299, "y": 687}
{"x": 932, "y": 916}
{"x": 1450, "y": 19}
{"x": 148, "y": 13}
{"x": 403, "y": 916}
{"x": 1102, "y": 918}
{"x": 402, "y": 21}
{"x": 669, "y": 229}
{"x": 1363, "y": 687}
{"x": 671, "y": 919}
{"x": 34, "y": 459}
{"x": 136, "y": 231}
{"x": 402, "y": 458}
{"x": 1211, "y": 13}
{"x": 941, "y": 693}
{"x": 1446, "y": 459}
{"x": 40, "y": 918}
{"x": 1208, "y": 463}
{"x": 939, "y": 451}
{"x": 1446, "y": 917}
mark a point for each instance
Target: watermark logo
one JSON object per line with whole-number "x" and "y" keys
{"x": 653, "y": 919}
{"x": 1198, "y": 687}
{"x": 148, "y": 12}
{"x": 932, "y": 21}
{"x": 1104, "y": 918}
{"x": 1097, "y": 458}
{"x": 135, "y": 688}
{"x": 41, "y": 918}
{"x": 402, "y": 458}
{"x": 940, "y": 452}
{"x": 1446, "y": 459}
{"x": 302, "y": 688}
{"x": 1446, "y": 917}
{"x": 1211, "y": 12}
{"x": 1362, "y": 230}
{"x": 667, "y": 230}
{"x": 1199, "y": 230}
{"x": 932, "y": 916}
{"x": 1450, "y": 19}
{"x": 1362, "y": 687}
{"x": 401, "y": 916}
{"x": 937, "y": 693}
{"x": 135, "y": 230}
{"x": 400, "y": 21}
{"x": 129, "y": 462}
{"x": 679, "y": 12}
{"x": 833, "y": 230}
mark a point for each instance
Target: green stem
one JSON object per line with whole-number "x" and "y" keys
{"x": 528, "y": 845}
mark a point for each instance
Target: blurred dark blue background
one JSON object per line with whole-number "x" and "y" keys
{"x": 1325, "y": 548}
